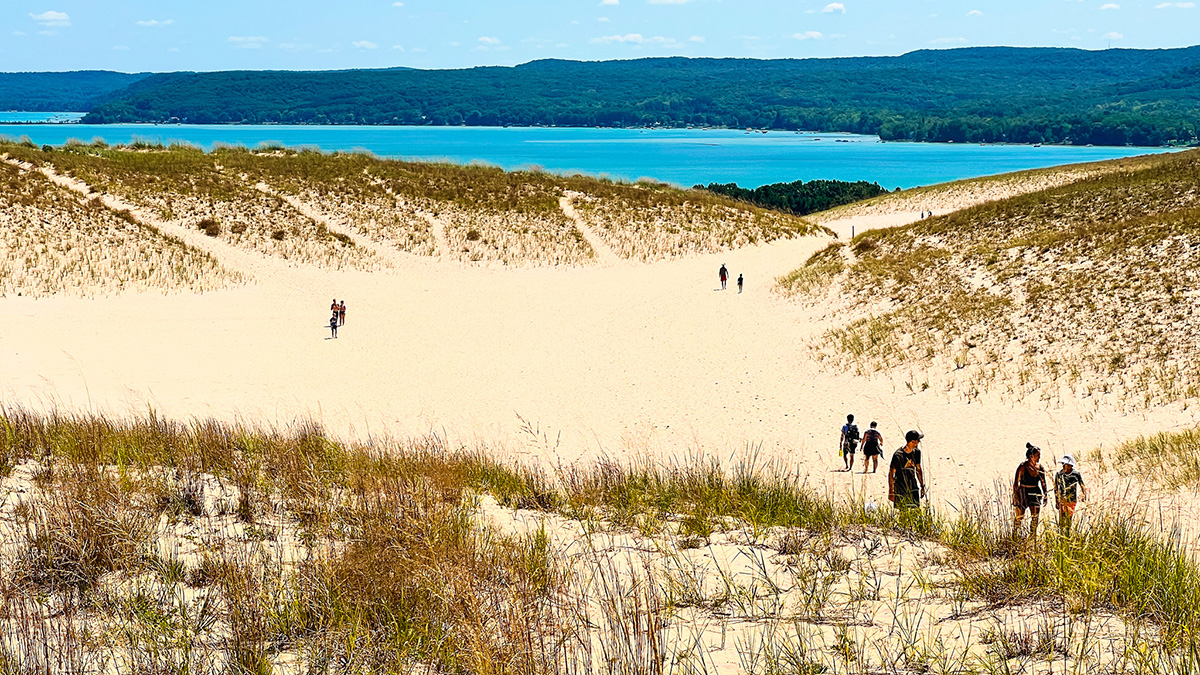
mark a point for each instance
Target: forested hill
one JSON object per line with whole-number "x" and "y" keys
{"x": 1111, "y": 97}
{"x": 74, "y": 91}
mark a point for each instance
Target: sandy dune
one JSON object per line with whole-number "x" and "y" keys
{"x": 553, "y": 364}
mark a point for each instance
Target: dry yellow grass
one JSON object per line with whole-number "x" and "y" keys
{"x": 54, "y": 242}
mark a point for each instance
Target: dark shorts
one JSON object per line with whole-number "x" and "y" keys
{"x": 872, "y": 450}
{"x": 849, "y": 450}
{"x": 1031, "y": 500}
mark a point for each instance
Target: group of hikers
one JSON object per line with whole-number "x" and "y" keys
{"x": 339, "y": 316}
{"x": 723, "y": 275}
{"x": 906, "y": 479}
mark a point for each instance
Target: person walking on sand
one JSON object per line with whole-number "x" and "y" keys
{"x": 341, "y": 312}
{"x": 740, "y": 282}
{"x": 906, "y": 480}
{"x": 848, "y": 443}
{"x": 723, "y": 275}
{"x": 333, "y": 306}
{"x": 333, "y": 324}
{"x": 1068, "y": 491}
{"x": 1029, "y": 489}
{"x": 872, "y": 448}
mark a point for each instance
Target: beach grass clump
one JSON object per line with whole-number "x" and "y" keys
{"x": 818, "y": 272}
{"x": 54, "y": 242}
{"x": 1073, "y": 291}
{"x": 1170, "y": 459}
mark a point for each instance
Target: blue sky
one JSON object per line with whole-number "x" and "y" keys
{"x": 140, "y": 35}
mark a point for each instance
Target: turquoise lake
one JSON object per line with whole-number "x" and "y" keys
{"x": 681, "y": 156}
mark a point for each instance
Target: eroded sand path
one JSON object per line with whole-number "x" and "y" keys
{"x": 604, "y": 253}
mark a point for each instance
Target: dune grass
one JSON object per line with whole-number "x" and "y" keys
{"x": 153, "y": 546}
{"x": 54, "y": 242}
{"x": 1075, "y": 291}
{"x": 1170, "y": 458}
{"x": 471, "y": 213}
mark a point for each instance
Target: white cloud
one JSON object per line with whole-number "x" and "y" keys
{"x": 364, "y": 44}
{"x": 974, "y": 12}
{"x": 808, "y": 35}
{"x": 47, "y": 32}
{"x": 1180, "y": 5}
{"x": 248, "y": 42}
{"x": 398, "y": 48}
{"x": 397, "y": 4}
{"x": 603, "y": 19}
{"x": 634, "y": 39}
{"x": 696, "y": 38}
{"x": 174, "y": 49}
{"x": 834, "y": 7}
{"x": 52, "y": 18}
{"x": 668, "y": 2}
{"x": 948, "y": 41}
{"x": 610, "y": 2}
{"x": 1110, "y": 5}
{"x": 156, "y": 22}
{"x": 1113, "y": 35}
{"x": 489, "y": 41}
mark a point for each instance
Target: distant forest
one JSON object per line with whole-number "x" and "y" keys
{"x": 798, "y": 197}
{"x": 995, "y": 94}
{"x": 60, "y": 92}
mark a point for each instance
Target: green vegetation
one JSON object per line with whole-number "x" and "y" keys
{"x": 1171, "y": 459}
{"x": 75, "y": 91}
{"x": 1074, "y": 290}
{"x": 798, "y": 197}
{"x": 1111, "y": 97}
{"x": 165, "y": 547}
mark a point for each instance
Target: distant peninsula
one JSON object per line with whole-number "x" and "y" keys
{"x": 969, "y": 95}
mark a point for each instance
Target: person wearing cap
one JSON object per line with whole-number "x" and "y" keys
{"x": 906, "y": 481}
{"x": 1029, "y": 489}
{"x": 1068, "y": 491}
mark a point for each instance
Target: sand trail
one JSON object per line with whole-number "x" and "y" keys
{"x": 603, "y": 252}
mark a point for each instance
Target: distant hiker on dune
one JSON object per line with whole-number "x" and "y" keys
{"x": 723, "y": 275}
{"x": 740, "y": 282}
{"x": 1029, "y": 489}
{"x": 872, "y": 447}
{"x": 341, "y": 312}
{"x": 906, "y": 480}
{"x": 848, "y": 442}
{"x": 333, "y": 306}
{"x": 333, "y": 324}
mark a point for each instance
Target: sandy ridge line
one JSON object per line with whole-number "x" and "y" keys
{"x": 239, "y": 261}
{"x": 605, "y": 256}
{"x": 392, "y": 257}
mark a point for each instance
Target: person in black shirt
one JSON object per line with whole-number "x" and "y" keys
{"x": 1068, "y": 491}
{"x": 906, "y": 481}
{"x": 872, "y": 448}
{"x": 848, "y": 443}
{"x": 1029, "y": 489}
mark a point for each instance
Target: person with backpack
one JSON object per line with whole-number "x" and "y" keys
{"x": 1029, "y": 489}
{"x": 906, "y": 480}
{"x": 333, "y": 324}
{"x": 1068, "y": 491}
{"x": 872, "y": 447}
{"x": 849, "y": 442}
{"x": 723, "y": 275}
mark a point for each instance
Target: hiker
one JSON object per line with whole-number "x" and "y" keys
{"x": 849, "y": 442}
{"x": 1068, "y": 491}
{"x": 333, "y": 324}
{"x": 1029, "y": 489}
{"x": 872, "y": 447}
{"x": 906, "y": 481}
{"x": 341, "y": 312}
{"x": 740, "y": 282}
{"x": 723, "y": 274}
